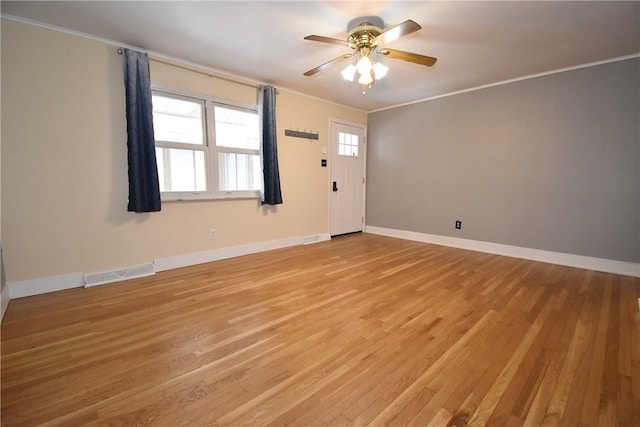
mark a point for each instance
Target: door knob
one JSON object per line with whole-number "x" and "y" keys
{"x": 335, "y": 186}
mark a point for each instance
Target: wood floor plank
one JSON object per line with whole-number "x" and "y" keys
{"x": 495, "y": 393}
{"x": 360, "y": 330}
{"x": 564, "y": 322}
{"x": 633, "y": 312}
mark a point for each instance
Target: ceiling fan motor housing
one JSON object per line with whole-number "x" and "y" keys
{"x": 363, "y": 35}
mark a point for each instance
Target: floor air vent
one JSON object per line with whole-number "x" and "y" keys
{"x": 94, "y": 279}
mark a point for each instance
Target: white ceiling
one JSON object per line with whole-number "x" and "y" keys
{"x": 476, "y": 43}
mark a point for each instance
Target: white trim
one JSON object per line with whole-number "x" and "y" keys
{"x": 157, "y": 55}
{"x": 517, "y": 79}
{"x": 248, "y": 81}
{"x": 43, "y": 285}
{"x": 347, "y": 123}
{"x": 570, "y": 260}
{"x": 199, "y": 96}
{"x": 208, "y": 147}
{"x": 195, "y": 67}
{"x": 316, "y": 238}
{"x": 163, "y": 264}
{"x": 332, "y": 122}
{"x": 4, "y": 301}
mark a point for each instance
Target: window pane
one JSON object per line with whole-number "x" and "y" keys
{"x": 178, "y": 120}
{"x": 181, "y": 170}
{"x": 160, "y": 163}
{"x": 236, "y": 128}
{"x": 347, "y": 144}
{"x": 239, "y": 172}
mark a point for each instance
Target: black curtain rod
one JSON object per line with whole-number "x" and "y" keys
{"x": 121, "y": 52}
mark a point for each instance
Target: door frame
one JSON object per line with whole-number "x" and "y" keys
{"x": 332, "y": 121}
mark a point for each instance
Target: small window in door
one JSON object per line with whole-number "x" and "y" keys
{"x": 347, "y": 144}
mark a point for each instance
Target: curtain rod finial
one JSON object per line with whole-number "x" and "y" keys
{"x": 120, "y": 51}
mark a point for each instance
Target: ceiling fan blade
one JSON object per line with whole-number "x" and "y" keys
{"x": 408, "y": 56}
{"x": 393, "y": 33}
{"x": 328, "y": 64}
{"x": 323, "y": 39}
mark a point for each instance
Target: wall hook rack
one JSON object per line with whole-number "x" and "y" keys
{"x": 299, "y": 134}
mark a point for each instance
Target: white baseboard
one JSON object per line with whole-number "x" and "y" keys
{"x": 4, "y": 301}
{"x": 316, "y": 238}
{"x": 569, "y": 260}
{"x": 25, "y": 288}
{"x": 42, "y": 285}
{"x": 187, "y": 260}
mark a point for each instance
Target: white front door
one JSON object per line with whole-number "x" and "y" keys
{"x": 347, "y": 178}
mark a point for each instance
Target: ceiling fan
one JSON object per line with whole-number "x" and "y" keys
{"x": 366, "y": 40}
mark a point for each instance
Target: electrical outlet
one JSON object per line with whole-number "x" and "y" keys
{"x": 212, "y": 233}
{"x": 458, "y": 225}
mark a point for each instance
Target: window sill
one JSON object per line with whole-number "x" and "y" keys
{"x": 201, "y": 198}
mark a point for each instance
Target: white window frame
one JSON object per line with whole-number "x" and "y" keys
{"x": 210, "y": 148}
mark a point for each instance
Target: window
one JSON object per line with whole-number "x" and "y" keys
{"x": 238, "y": 149}
{"x": 206, "y": 149}
{"x": 347, "y": 144}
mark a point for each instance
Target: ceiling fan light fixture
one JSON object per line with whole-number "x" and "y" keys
{"x": 365, "y": 79}
{"x": 349, "y": 73}
{"x": 380, "y": 70}
{"x": 364, "y": 65}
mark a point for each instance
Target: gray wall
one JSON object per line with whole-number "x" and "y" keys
{"x": 549, "y": 163}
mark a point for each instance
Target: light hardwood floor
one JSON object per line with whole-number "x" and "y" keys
{"x": 362, "y": 330}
